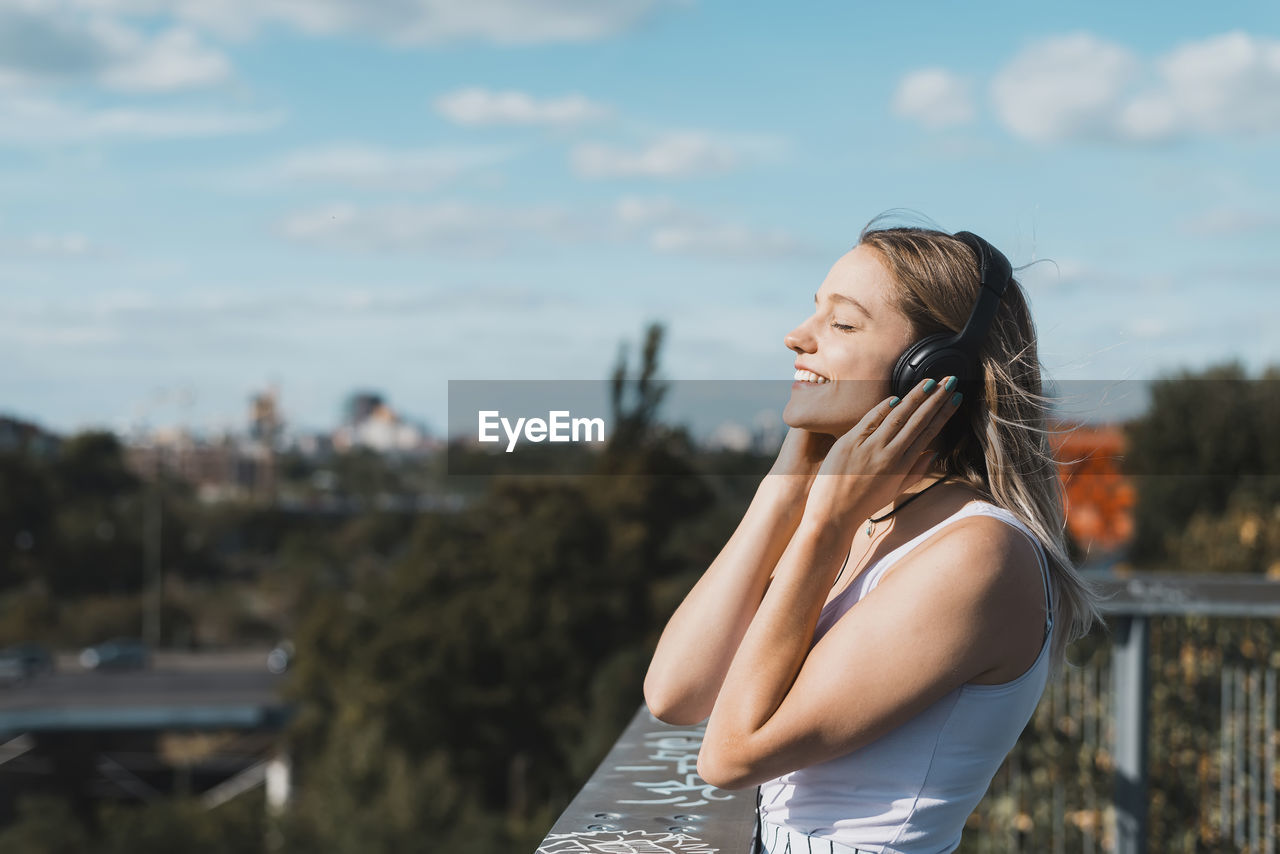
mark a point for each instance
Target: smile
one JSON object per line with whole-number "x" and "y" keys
{"x": 810, "y": 377}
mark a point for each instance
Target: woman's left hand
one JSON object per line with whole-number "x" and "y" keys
{"x": 868, "y": 467}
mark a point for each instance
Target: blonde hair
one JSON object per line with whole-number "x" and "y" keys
{"x": 997, "y": 443}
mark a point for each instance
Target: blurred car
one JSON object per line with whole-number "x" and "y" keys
{"x": 116, "y": 654}
{"x": 279, "y": 659}
{"x": 25, "y": 661}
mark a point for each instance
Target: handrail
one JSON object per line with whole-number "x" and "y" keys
{"x": 647, "y": 796}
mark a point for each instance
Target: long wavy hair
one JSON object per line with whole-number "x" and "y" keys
{"x": 998, "y": 442}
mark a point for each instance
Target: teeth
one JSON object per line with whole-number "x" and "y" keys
{"x": 810, "y": 377}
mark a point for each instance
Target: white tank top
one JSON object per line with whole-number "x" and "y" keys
{"x": 911, "y": 790}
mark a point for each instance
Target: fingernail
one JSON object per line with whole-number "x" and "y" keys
{"x": 950, "y": 384}
{"x": 956, "y": 398}
{"x": 929, "y": 385}
{"x": 893, "y": 401}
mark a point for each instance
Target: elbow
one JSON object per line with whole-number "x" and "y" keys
{"x": 673, "y": 707}
{"x": 722, "y": 773}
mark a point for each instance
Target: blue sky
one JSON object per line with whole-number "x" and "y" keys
{"x": 200, "y": 199}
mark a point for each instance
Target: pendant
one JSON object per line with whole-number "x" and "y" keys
{"x": 870, "y": 525}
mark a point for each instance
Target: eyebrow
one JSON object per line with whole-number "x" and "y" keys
{"x": 853, "y": 302}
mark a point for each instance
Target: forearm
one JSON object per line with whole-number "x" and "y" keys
{"x": 700, "y": 639}
{"x": 774, "y": 646}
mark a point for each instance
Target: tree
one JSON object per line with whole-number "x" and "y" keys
{"x": 1206, "y": 437}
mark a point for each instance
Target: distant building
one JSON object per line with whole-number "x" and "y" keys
{"x": 372, "y": 423}
{"x": 265, "y": 422}
{"x": 226, "y": 468}
{"x": 222, "y": 469}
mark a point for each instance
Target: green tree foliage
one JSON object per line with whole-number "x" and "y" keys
{"x": 503, "y": 649}
{"x": 72, "y": 531}
{"x": 26, "y": 517}
{"x": 47, "y": 826}
{"x": 1243, "y": 538}
{"x": 1207, "y": 436}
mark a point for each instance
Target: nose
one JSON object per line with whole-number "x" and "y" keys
{"x": 799, "y": 339}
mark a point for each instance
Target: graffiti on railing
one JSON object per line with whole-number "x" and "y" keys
{"x": 673, "y": 753}
{"x": 624, "y": 842}
{"x": 648, "y": 799}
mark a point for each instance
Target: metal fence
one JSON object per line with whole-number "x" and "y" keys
{"x": 1160, "y": 737}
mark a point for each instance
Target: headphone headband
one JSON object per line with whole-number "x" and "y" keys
{"x": 994, "y": 273}
{"x": 945, "y": 353}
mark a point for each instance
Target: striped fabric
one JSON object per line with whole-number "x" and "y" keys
{"x": 773, "y": 839}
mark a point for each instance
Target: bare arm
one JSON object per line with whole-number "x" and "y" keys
{"x": 700, "y": 639}
{"x": 778, "y": 707}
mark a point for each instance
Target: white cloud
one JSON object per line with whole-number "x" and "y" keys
{"x": 673, "y": 156}
{"x": 733, "y": 241}
{"x": 370, "y": 167}
{"x": 479, "y": 107}
{"x": 154, "y": 45}
{"x": 658, "y": 224}
{"x": 451, "y": 227}
{"x": 407, "y": 21}
{"x": 1149, "y": 326}
{"x": 174, "y": 60}
{"x": 1081, "y": 87}
{"x": 671, "y": 228}
{"x": 35, "y": 121}
{"x": 1226, "y": 84}
{"x": 638, "y": 211}
{"x": 45, "y": 246}
{"x": 934, "y": 97}
{"x": 1228, "y": 221}
{"x": 47, "y": 44}
{"x": 1065, "y": 87}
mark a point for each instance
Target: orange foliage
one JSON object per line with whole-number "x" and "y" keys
{"x": 1100, "y": 499}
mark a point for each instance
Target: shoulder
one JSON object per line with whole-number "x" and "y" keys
{"x": 994, "y": 538}
{"x": 981, "y": 564}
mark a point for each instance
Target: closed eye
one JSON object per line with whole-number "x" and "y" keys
{"x": 843, "y": 327}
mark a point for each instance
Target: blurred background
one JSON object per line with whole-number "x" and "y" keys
{"x": 245, "y": 247}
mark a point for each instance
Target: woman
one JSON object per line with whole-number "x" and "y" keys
{"x": 880, "y": 627}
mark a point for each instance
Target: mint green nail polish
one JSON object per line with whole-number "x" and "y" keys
{"x": 893, "y": 401}
{"x": 956, "y": 398}
{"x": 929, "y": 385}
{"x": 950, "y": 385}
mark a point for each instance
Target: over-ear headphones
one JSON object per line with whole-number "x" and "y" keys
{"x": 945, "y": 354}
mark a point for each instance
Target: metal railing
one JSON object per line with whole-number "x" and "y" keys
{"x": 646, "y": 795}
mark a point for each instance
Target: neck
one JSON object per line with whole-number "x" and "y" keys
{"x": 920, "y": 485}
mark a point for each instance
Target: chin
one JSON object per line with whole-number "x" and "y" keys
{"x": 804, "y": 418}
{"x": 817, "y": 418}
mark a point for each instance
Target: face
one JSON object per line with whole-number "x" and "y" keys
{"x": 851, "y": 341}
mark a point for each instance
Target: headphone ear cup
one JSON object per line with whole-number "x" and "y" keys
{"x": 912, "y": 366}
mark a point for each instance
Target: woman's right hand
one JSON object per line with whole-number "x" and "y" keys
{"x": 802, "y": 453}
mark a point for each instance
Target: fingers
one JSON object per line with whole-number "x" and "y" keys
{"x": 914, "y": 422}
{"x": 876, "y": 416}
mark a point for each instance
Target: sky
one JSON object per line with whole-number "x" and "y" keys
{"x": 199, "y": 200}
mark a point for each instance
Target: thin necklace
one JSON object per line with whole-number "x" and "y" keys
{"x": 848, "y": 555}
{"x": 871, "y": 523}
